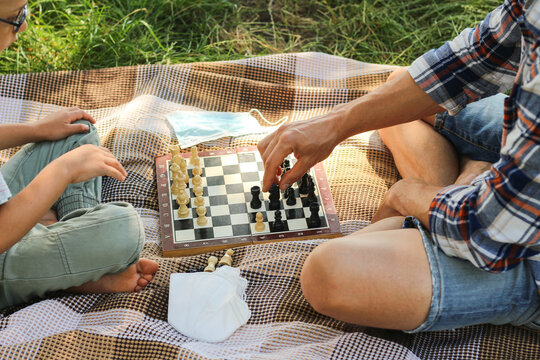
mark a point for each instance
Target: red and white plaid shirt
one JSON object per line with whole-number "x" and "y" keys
{"x": 495, "y": 222}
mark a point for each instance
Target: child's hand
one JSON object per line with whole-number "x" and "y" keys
{"x": 60, "y": 124}
{"x": 89, "y": 161}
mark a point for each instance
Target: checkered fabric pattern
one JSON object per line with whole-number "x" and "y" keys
{"x": 129, "y": 104}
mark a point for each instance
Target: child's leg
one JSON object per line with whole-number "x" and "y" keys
{"x": 85, "y": 246}
{"x": 23, "y": 167}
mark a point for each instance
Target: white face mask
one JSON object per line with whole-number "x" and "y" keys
{"x": 194, "y": 127}
{"x": 208, "y": 306}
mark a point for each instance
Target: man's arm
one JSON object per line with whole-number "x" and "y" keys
{"x": 397, "y": 101}
{"x": 53, "y": 127}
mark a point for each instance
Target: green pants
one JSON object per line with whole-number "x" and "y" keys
{"x": 89, "y": 241}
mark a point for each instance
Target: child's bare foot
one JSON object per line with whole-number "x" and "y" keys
{"x": 134, "y": 278}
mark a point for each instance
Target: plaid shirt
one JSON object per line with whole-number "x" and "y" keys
{"x": 5, "y": 194}
{"x": 495, "y": 222}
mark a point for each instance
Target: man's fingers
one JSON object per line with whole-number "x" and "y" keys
{"x": 296, "y": 172}
{"x": 78, "y": 114}
{"x": 272, "y": 163}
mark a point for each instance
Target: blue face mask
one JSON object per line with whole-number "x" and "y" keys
{"x": 194, "y": 127}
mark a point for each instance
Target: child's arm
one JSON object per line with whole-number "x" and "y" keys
{"x": 24, "y": 210}
{"x": 53, "y": 127}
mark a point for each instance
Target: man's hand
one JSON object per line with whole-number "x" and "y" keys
{"x": 311, "y": 141}
{"x": 60, "y": 125}
{"x": 89, "y": 161}
{"x": 408, "y": 197}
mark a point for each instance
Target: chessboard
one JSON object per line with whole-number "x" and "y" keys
{"x": 228, "y": 179}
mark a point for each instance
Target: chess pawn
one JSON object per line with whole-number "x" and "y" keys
{"x": 197, "y": 162}
{"x": 182, "y": 199}
{"x": 199, "y": 201}
{"x": 212, "y": 261}
{"x": 202, "y": 219}
{"x": 196, "y": 171}
{"x": 259, "y": 225}
{"x": 196, "y": 180}
{"x": 198, "y": 190}
{"x": 227, "y": 258}
{"x": 183, "y": 169}
{"x": 183, "y": 211}
{"x": 194, "y": 154}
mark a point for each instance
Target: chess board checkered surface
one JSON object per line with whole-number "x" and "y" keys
{"x": 227, "y": 179}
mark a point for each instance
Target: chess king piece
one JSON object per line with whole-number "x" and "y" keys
{"x": 279, "y": 225}
{"x": 227, "y": 258}
{"x": 202, "y": 219}
{"x": 274, "y": 197}
{"x": 314, "y": 220}
{"x": 255, "y": 197}
{"x": 194, "y": 154}
{"x": 212, "y": 261}
{"x": 259, "y": 225}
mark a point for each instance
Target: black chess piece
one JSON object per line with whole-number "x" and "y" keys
{"x": 274, "y": 197}
{"x": 314, "y": 220}
{"x": 303, "y": 189}
{"x": 279, "y": 225}
{"x": 255, "y": 198}
{"x": 311, "y": 193}
{"x": 287, "y": 163}
{"x": 291, "y": 196}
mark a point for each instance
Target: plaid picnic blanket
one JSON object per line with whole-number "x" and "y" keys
{"x": 129, "y": 104}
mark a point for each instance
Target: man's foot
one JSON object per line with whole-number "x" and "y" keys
{"x": 133, "y": 279}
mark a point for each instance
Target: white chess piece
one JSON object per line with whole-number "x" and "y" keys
{"x": 202, "y": 219}
{"x": 259, "y": 226}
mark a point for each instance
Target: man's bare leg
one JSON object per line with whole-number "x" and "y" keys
{"x": 134, "y": 278}
{"x": 420, "y": 152}
{"x": 378, "y": 277}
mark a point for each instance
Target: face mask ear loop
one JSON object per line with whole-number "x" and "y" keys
{"x": 279, "y": 122}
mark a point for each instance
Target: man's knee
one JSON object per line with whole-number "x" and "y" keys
{"x": 318, "y": 278}
{"x": 90, "y": 137}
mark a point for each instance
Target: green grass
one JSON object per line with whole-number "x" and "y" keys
{"x": 86, "y": 34}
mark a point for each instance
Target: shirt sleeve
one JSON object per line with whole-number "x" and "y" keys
{"x": 495, "y": 222}
{"x": 479, "y": 62}
{"x": 5, "y": 194}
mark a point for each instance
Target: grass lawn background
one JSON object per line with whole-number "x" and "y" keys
{"x": 85, "y": 34}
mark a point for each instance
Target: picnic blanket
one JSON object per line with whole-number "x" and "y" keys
{"x": 130, "y": 104}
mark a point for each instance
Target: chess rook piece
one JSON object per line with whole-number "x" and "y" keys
{"x": 227, "y": 258}
{"x": 314, "y": 220}
{"x": 303, "y": 189}
{"x": 202, "y": 219}
{"x": 194, "y": 154}
{"x": 311, "y": 193}
{"x": 212, "y": 261}
{"x": 255, "y": 197}
{"x": 291, "y": 196}
{"x": 279, "y": 225}
{"x": 259, "y": 225}
{"x": 274, "y": 198}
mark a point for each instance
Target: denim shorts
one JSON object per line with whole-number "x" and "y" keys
{"x": 476, "y": 131}
{"x": 464, "y": 295}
